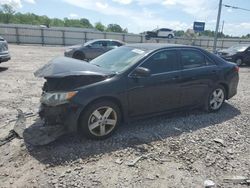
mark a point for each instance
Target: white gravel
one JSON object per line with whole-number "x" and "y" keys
{"x": 178, "y": 150}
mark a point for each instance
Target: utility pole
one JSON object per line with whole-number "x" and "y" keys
{"x": 217, "y": 26}
{"x": 222, "y": 27}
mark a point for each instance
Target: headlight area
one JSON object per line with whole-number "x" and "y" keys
{"x": 57, "y": 98}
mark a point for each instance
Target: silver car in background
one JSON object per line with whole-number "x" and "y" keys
{"x": 4, "y": 50}
{"x": 92, "y": 49}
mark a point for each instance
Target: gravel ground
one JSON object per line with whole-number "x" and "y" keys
{"x": 177, "y": 150}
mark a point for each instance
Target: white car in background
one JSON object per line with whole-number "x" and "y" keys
{"x": 160, "y": 33}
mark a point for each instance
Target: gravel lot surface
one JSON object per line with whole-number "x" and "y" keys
{"x": 179, "y": 150}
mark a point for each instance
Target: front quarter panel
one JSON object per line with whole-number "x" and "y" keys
{"x": 113, "y": 88}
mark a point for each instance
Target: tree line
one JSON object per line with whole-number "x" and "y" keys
{"x": 9, "y": 15}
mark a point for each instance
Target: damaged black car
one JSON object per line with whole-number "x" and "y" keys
{"x": 130, "y": 82}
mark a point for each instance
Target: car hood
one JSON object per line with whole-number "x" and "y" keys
{"x": 62, "y": 67}
{"x": 228, "y": 52}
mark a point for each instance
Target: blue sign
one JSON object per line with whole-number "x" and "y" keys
{"x": 199, "y": 26}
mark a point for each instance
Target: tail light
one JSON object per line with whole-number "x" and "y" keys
{"x": 236, "y": 68}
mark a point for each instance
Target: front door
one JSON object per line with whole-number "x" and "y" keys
{"x": 161, "y": 90}
{"x": 97, "y": 48}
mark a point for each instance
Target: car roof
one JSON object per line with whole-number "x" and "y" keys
{"x": 156, "y": 46}
{"x": 105, "y": 40}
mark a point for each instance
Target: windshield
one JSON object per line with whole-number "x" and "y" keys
{"x": 239, "y": 48}
{"x": 87, "y": 43}
{"x": 119, "y": 59}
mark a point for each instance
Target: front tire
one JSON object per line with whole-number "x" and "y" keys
{"x": 79, "y": 55}
{"x": 100, "y": 120}
{"x": 215, "y": 99}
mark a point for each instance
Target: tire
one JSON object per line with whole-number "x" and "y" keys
{"x": 79, "y": 55}
{"x": 238, "y": 61}
{"x": 170, "y": 36}
{"x": 94, "y": 116}
{"x": 215, "y": 99}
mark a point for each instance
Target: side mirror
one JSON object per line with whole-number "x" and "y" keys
{"x": 89, "y": 46}
{"x": 141, "y": 72}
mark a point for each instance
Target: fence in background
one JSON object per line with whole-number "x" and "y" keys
{"x": 69, "y": 36}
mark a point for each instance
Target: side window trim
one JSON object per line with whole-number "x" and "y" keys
{"x": 205, "y": 56}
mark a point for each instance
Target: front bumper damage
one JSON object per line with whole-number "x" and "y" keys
{"x": 53, "y": 122}
{"x": 59, "y": 115}
{"x": 65, "y": 115}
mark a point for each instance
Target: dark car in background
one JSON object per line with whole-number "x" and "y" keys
{"x": 238, "y": 54}
{"x": 92, "y": 49}
{"x": 4, "y": 50}
{"x": 160, "y": 33}
{"x": 133, "y": 81}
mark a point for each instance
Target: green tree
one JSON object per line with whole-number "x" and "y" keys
{"x": 179, "y": 33}
{"x": 114, "y": 28}
{"x": 85, "y": 23}
{"x": 99, "y": 26}
{"x": 7, "y": 12}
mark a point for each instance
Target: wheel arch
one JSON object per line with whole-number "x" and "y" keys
{"x": 226, "y": 87}
{"x": 78, "y": 52}
{"x": 104, "y": 98}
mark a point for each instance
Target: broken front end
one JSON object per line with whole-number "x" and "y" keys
{"x": 60, "y": 109}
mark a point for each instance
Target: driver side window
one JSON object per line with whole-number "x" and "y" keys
{"x": 97, "y": 44}
{"x": 164, "y": 61}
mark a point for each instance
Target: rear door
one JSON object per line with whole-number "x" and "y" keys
{"x": 160, "y": 91}
{"x": 198, "y": 75}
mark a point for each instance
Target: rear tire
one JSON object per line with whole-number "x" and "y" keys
{"x": 170, "y": 36}
{"x": 215, "y": 99}
{"x": 79, "y": 55}
{"x": 100, "y": 120}
{"x": 239, "y": 61}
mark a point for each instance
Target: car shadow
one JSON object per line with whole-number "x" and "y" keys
{"x": 73, "y": 147}
{"x": 2, "y": 69}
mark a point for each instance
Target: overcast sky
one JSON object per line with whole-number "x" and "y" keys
{"x": 142, "y": 15}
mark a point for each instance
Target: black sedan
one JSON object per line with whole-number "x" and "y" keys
{"x": 238, "y": 54}
{"x": 133, "y": 81}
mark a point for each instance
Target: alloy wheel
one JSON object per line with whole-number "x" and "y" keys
{"x": 102, "y": 121}
{"x": 238, "y": 62}
{"x": 217, "y": 99}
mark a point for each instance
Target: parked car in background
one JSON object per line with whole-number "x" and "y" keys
{"x": 160, "y": 33}
{"x": 238, "y": 54}
{"x": 132, "y": 81}
{"x": 4, "y": 50}
{"x": 92, "y": 49}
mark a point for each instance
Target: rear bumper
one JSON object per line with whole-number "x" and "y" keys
{"x": 232, "y": 90}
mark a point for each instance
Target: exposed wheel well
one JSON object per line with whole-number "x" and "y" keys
{"x": 112, "y": 99}
{"x": 226, "y": 88}
{"x": 78, "y": 53}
